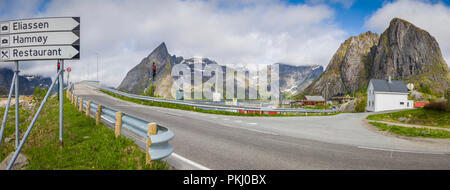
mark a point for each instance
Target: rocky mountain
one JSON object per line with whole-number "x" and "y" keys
{"x": 27, "y": 83}
{"x": 404, "y": 52}
{"x": 347, "y": 70}
{"x": 411, "y": 54}
{"x": 294, "y": 79}
{"x": 138, "y": 80}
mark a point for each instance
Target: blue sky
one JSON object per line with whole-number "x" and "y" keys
{"x": 350, "y": 15}
{"x": 352, "y": 18}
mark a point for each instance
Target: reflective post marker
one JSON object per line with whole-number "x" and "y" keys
{"x": 61, "y": 102}
{"x": 17, "y": 103}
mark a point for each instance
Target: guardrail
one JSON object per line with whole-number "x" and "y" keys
{"x": 209, "y": 106}
{"x": 157, "y": 136}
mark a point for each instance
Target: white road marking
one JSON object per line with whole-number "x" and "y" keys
{"x": 265, "y": 132}
{"x": 237, "y": 121}
{"x": 169, "y": 113}
{"x": 190, "y": 162}
{"x": 396, "y": 150}
{"x": 252, "y": 123}
{"x": 225, "y": 119}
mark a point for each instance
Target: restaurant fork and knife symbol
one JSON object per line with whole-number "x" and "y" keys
{"x": 5, "y": 54}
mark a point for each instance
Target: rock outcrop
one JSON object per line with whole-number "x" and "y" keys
{"x": 348, "y": 69}
{"x": 404, "y": 52}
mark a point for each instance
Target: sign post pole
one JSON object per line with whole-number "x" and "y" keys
{"x": 61, "y": 103}
{"x": 53, "y": 38}
{"x": 17, "y": 103}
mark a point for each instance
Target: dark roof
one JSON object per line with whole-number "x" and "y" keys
{"x": 384, "y": 86}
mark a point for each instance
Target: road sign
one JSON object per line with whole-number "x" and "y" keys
{"x": 40, "y": 53}
{"x": 410, "y": 86}
{"x": 40, "y": 39}
{"x": 69, "y": 69}
{"x": 40, "y": 25}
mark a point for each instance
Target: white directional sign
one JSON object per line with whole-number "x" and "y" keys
{"x": 39, "y": 53}
{"x": 40, "y": 39}
{"x": 40, "y": 25}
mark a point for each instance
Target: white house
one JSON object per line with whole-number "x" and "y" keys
{"x": 387, "y": 95}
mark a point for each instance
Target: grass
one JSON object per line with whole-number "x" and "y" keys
{"x": 412, "y": 131}
{"x": 192, "y": 108}
{"x": 419, "y": 116}
{"x": 86, "y": 146}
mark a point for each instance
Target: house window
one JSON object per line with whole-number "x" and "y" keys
{"x": 402, "y": 103}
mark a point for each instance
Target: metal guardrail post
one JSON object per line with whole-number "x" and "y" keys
{"x": 118, "y": 123}
{"x": 98, "y": 117}
{"x": 150, "y": 131}
{"x": 88, "y": 108}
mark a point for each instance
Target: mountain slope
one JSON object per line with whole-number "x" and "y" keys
{"x": 347, "y": 71}
{"x": 409, "y": 53}
{"x": 138, "y": 79}
{"x": 404, "y": 52}
{"x": 27, "y": 83}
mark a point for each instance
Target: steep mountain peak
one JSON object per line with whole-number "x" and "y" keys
{"x": 410, "y": 53}
{"x": 160, "y": 52}
{"x": 347, "y": 70}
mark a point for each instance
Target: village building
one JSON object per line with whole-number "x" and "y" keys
{"x": 387, "y": 95}
{"x": 313, "y": 100}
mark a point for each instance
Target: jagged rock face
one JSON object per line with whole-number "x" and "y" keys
{"x": 27, "y": 83}
{"x": 139, "y": 78}
{"x": 404, "y": 52}
{"x": 348, "y": 69}
{"x": 411, "y": 54}
{"x": 294, "y": 79}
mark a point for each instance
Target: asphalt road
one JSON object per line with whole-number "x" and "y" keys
{"x": 318, "y": 142}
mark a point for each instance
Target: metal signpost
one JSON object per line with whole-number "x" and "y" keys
{"x": 56, "y": 38}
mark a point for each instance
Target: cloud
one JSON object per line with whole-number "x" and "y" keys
{"x": 124, "y": 32}
{"x": 432, "y": 17}
{"x": 346, "y": 3}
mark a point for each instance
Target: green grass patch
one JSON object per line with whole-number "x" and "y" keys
{"x": 412, "y": 131}
{"x": 192, "y": 108}
{"x": 419, "y": 116}
{"x": 86, "y": 146}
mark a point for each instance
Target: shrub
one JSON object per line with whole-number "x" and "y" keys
{"x": 361, "y": 104}
{"x": 442, "y": 106}
{"x": 39, "y": 92}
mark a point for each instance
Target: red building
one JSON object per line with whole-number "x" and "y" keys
{"x": 313, "y": 100}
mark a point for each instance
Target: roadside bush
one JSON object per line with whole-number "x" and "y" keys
{"x": 361, "y": 104}
{"x": 442, "y": 106}
{"x": 39, "y": 93}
